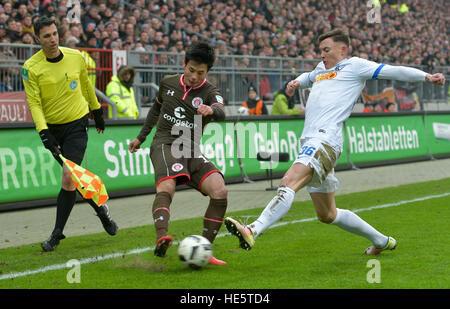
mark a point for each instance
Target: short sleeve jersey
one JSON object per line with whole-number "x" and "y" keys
{"x": 179, "y": 103}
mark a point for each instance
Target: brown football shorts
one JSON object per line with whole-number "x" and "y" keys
{"x": 185, "y": 170}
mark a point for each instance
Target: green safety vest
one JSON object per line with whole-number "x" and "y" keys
{"x": 91, "y": 66}
{"x": 123, "y": 98}
{"x": 403, "y": 8}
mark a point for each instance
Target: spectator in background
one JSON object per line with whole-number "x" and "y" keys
{"x": 377, "y": 108}
{"x": 89, "y": 28}
{"x": 71, "y": 42}
{"x": 391, "y": 107}
{"x": 92, "y": 16}
{"x": 274, "y": 78}
{"x": 254, "y": 103}
{"x": 284, "y": 104}
{"x": 116, "y": 45}
{"x": 27, "y": 24}
{"x": 27, "y": 38}
{"x": 13, "y": 32}
{"x": 120, "y": 91}
{"x": 6, "y": 53}
{"x": 33, "y": 7}
{"x": 368, "y": 107}
{"x": 3, "y": 30}
{"x": 21, "y": 12}
{"x": 92, "y": 41}
{"x": 5, "y": 82}
{"x": 264, "y": 88}
{"x": 8, "y": 8}
{"x": 48, "y": 9}
{"x": 279, "y": 29}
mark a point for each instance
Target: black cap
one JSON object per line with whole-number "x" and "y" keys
{"x": 251, "y": 88}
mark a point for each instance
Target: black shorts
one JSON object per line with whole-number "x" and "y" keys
{"x": 72, "y": 137}
{"x": 190, "y": 171}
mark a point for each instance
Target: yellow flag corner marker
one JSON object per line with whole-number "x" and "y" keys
{"x": 89, "y": 184}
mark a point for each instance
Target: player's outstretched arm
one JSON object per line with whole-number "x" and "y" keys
{"x": 437, "y": 78}
{"x": 407, "y": 74}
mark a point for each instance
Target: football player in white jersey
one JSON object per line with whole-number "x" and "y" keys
{"x": 335, "y": 84}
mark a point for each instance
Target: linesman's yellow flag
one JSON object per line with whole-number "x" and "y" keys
{"x": 89, "y": 184}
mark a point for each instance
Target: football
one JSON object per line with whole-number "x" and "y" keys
{"x": 243, "y": 111}
{"x": 195, "y": 251}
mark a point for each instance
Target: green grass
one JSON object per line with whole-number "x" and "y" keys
{"x": 306, "y": 255}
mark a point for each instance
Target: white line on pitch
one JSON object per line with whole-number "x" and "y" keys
{"x": 140, "y": 250}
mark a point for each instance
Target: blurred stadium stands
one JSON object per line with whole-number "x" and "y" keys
{"x": 263, "y": 43}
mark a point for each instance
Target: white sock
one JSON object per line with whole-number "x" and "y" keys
{"x": 350, "y": 222}
{"x": 274, "y": 211}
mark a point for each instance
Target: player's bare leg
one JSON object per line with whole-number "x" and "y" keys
{"x": 161, "y": 215}
{"x": 295, "y": 178}
{"x": 214, "y": 187}
{"x": 298, "y": 176}
{"x": 325, "y": 206}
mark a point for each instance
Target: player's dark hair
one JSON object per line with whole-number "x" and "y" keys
{"x": 337, "y": 35}
{"x": 42, "y": 22}
{"x": 201, "y": 52}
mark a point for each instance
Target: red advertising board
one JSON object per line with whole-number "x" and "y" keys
{"x": 14, "y": 107}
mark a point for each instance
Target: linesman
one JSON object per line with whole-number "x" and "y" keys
{"x": 60, "y": 95}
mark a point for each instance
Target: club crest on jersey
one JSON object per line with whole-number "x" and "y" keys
{"x": 176, "y": 167}
{"x": 73, "y": 85}
{"x": 321, "y": 77}
{"x": 197, "y": 101}
{"x": 339, "y": 67}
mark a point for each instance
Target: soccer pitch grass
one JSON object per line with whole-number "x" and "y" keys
{"x": 297, "y": 253}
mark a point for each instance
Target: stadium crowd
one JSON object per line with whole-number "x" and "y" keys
{"x": 260, "y": 28}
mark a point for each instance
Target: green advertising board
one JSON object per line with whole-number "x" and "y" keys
{"x": 27, "y": 169}
{"x": 372, "y": 139}
{"x": 29, "y": 172}
{"x": 268, "y": 136}
{"x": 438, "y": 133}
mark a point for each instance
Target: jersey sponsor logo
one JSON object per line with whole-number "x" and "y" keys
{"x": 197, "y": 101}
{"x": 322, "y": 77}
{"x": 178, "y": 112}
{"x": 176, "y": 167}
{"x": 178, "y": 122}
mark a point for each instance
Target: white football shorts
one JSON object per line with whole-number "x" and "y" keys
{"x": 321, "y": 158}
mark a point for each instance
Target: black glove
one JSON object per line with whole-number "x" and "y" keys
{"x": 49, "y": 140}
{"x": 98, "y": 118}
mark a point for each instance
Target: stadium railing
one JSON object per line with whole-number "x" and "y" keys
{"x": 232, "y": 74}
